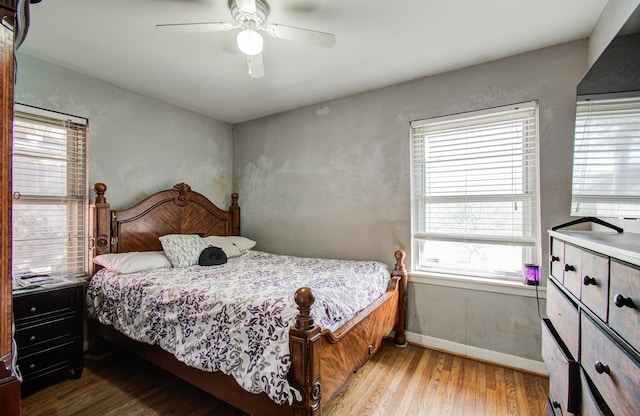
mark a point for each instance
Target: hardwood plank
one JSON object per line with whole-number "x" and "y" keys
{"x": 393, "y": 395}
{"x": 396, "y": 381}
{"x": 480, "y": 399}
{"x": 416, "y": 385}
{"x": 428, "y": 394}
{"x": 437, "y": 405}
{"x": 420, "y": 402}
{"x": 357, "y": 388}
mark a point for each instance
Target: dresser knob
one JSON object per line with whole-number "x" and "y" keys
{"x": 589, "y": 281}
{"x": 32, "y": 309}
{"x": 32, "y": 366}
{"x": 569, "y": 268}
{"x": 602, "y": 368}
{"x": 32, "y": 338}
{"x": 620, "y": 301}
{"x": 554, "y": 258}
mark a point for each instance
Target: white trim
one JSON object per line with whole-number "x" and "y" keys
{"x": 481, "y": 354}
{"x": 479, "y": 284}
{"x": 476, "y": 113}
{"x": 24, "y": 108}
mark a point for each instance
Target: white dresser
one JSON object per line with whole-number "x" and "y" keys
{"x": 591, "y": 338}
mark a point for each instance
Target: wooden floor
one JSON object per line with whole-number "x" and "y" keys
{"x": 396, "y": 381}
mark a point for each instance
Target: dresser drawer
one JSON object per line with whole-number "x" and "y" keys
{"x": 34, "y": 335}
{"x": 44, "y": 304}
{"x": 615, "y": 374}
{"x": 624, "y": 302}
{"x": 47, "y": 361}
{"x": 572, "y": 269}
{"x": 564, "y": 393}
{"x": 595, "y": 283}
{"x": 556, "y": 259}
{"x": 591, "y": 403}
{"x": 564, "y": 316}
{"x": 553, "y": 408}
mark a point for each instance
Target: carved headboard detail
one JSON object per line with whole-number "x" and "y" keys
{"x": 179, "y": 210}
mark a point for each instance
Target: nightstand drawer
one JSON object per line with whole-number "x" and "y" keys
{"x": 615, "y": 374}
{"x": 49, "y": 333}
{"x": 46, "y": 361}
{"x": 564, "y": 394}
{"x": 57, "y": 329}
{"x": 43, "y": 304}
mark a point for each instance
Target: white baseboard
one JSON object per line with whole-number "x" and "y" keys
{"x": 507, "y": 360}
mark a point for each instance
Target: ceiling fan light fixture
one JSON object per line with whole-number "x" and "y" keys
{"x": 249, "y": 42}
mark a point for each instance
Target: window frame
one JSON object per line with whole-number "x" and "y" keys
{"x": 70, "y": 191}
{"x": 605, "y": 153}
{"x": 529, "y": 192}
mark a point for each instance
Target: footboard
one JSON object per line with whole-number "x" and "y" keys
{"x": 323, "y": 361}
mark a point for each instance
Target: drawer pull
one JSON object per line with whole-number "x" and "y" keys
{"x": 554, "y": 258}
{"x": 32, "y": 366}
{"x": 32, "y": 309}
{"x": 32, "y": 338}
{"x": 589, "y": 281}
{"x": 371, "y": 349}
{"x": 620, "y": 301}
{"x": 602, "y": 368}
{"x": 569, "y": 268}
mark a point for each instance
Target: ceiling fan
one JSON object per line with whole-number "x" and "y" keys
{"x": 251, "y": 17}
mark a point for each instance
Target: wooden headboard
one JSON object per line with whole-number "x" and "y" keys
{"x": 175, "y": 211}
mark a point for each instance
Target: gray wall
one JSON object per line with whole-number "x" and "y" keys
{"x": 137, "y": 145}
{"x": 333, "y": 180}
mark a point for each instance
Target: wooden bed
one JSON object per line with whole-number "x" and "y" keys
{"x": 321, "y": 360}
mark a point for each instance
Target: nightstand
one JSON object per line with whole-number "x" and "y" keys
{"x": 49, "y": 333}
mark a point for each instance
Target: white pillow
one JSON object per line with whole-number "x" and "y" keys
{"x": 242, "y": 243}
{"x": 225, "y": 244}
{"x": 183, "y": 250}
{"x": 132, "y": 262}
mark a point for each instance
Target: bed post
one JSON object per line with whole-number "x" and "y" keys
{"x": 235, "y": 214}
{"x": 304, "y": 342}
{"x": 99, "y": 226}
{"x": 401, "y": 322}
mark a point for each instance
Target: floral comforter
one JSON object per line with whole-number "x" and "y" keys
{"x": 234, "y": 317}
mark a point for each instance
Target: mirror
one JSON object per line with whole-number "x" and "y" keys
{"x": 606, "y": 158}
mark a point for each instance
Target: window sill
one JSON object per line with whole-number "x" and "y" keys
{"x": 478, "y": 283}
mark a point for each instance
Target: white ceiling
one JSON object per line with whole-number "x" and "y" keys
{"x": 378, "y": 43}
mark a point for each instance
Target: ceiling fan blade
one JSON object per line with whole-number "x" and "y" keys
{"x": 296, "y": 34}
{"x": 256, "y": 66}
{"x": 195, "y": 27}
{"x": 247, "y": 6}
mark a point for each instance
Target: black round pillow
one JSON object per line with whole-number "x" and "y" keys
{"x": 212, "y": 256}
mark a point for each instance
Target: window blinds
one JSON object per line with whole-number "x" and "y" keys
{"x": 49, "y": 193}
{"x": 606, "y": 159}
{"x": 474, "y": 184}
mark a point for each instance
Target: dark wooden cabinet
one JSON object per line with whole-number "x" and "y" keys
{"x": 49, "y": 333}
{"x": 590, "y": 340}
{"x": 9, "y": 384}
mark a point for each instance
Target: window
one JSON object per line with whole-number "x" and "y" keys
{"x": 474, "y": 193}
{"x": 49, "y": 192}
{"x": 606, "y": 158}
